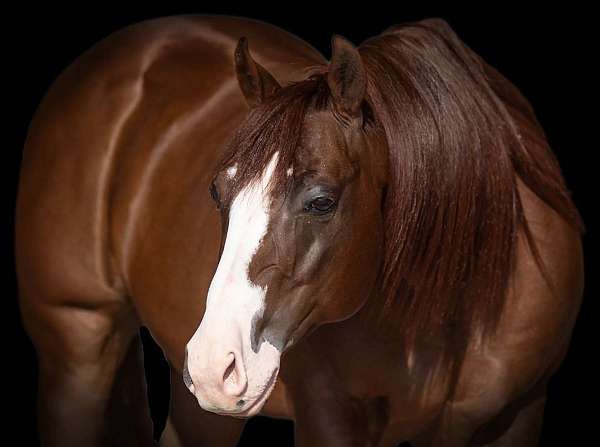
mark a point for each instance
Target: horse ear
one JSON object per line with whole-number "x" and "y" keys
{"x": 256, "y": 82}
{"x": 346, "y": 78}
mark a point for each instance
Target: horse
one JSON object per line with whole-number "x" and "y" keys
{"x": 379, "y": 247}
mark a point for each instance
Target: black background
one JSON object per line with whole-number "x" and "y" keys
{"x": 548, "y": 54}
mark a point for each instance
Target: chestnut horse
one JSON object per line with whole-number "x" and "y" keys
{"x": 390, "y": 253}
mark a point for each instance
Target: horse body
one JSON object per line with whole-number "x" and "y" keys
{"x": 115, "y": 229}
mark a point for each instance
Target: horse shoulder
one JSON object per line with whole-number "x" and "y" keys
{"x": 537, "y": 321}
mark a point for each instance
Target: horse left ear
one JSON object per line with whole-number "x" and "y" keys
{"x": 256, "y": 83}
{"x": 346, "y": 78}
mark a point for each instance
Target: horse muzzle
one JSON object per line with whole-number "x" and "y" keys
{"x": 226, "y": 375}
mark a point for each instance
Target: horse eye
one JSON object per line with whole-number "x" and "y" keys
{"x": 320, "y": 205}
{"x": 214, "y": 194}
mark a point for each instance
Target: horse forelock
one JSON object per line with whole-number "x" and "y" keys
{"x": 274, "y": 126}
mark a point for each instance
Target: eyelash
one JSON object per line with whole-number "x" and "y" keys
{"x": 214, "y": 194}
{"x": 313, "y": 206}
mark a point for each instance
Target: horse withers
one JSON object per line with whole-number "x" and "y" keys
{"x": 380, "y": 248}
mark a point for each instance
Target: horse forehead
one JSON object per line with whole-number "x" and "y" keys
{"x": 323, "y": 147}
{"x": 321, "y": 129}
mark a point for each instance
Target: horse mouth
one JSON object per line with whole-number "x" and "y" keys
{"x": 254, "y": 408}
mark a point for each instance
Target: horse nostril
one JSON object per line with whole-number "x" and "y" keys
{"x": 230, "y": 374}
{"x": 234, "y": 381}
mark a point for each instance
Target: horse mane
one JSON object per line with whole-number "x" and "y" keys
{"x": 458, "y": 135}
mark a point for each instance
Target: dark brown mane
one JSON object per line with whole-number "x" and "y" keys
{"x": 458, "y": 136}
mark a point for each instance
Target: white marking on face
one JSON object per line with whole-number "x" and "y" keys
{"x": 232, "y": 303}
{"x": 231, "y": 171}
{"x": 289, "y": 171}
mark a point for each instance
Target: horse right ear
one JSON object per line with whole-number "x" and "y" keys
{"x": 346, "y": 78}
{"x": 256, "y": 83}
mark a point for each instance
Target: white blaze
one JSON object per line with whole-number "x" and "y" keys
{"x": 232, "y": 303}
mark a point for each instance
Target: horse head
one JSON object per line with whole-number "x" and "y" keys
{"x": 300, "y": 192}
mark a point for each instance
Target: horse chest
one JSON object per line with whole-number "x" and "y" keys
{"x": 363, "y": 373}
